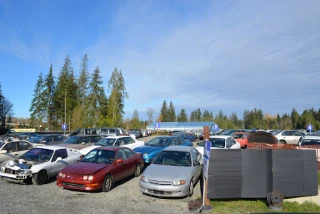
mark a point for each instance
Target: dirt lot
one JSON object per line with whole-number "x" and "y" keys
{"x": 125, "y": 197}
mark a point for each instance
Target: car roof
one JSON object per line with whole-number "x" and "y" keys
{"x": 167, "y": 136}
{"x": 178, "y": 148}
{"x": 112, "y": 148}
{"x": 220, "y": 136}
{"x": 116, "y": 137}
{"x": 311, "y": 137}
{"x": 52, "y": 147}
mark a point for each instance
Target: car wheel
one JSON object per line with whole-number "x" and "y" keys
{"x": 107, "y": 184}
{"x": 190, "y": 189}
{"x": 283, "y": 142}
{"x": 137, "y": 172}
{"x": 40, "y": 177}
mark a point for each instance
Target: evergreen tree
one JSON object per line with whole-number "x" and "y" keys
{"x": 171, "y": 113}
{"x": 49, "y": 88}
{"x": 97, "y": 98}
{"x": 295, "y": 118}
{"x": 164, "y": 112}
{"x": 119, "y": 93}
{"x": 182, "y": 116}
{"x": 38, "y": 104}
{"x": 135, "y": 121}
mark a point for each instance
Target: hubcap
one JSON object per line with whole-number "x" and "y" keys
{"x": 138, "y": 170}
{"x": 108, "y": 182}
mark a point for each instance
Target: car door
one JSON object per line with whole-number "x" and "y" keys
{"x": 129, "y": 142}
{"x": 56, "y": 166}
{"x": 131, "y": 161}
{"x": 197, "y": 169}
{"x": 297, "y": 136}
{"x": 234, "y": 144}
{"x": 120, "y": 169}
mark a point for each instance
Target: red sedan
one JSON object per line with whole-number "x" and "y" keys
{"x": 100, "y": 169}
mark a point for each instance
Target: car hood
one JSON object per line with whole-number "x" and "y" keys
{"x": 84, "y": 151}
{"x": 166, "y": 172}
{"x": 82, "y": 168}
{"x": 148, "y": 149}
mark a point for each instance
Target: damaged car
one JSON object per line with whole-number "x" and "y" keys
{"x": 39, "y": 164}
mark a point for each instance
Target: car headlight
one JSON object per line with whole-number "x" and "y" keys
{"x": 63, "y": 175}
{"x": 60, "y": 174}
{"x": 85, "y": 177}
{"x": 178, "y": 182}
{"x": 90, "y": 178}
{"x": 144, "y": 179}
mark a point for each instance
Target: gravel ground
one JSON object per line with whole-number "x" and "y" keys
{"x": 125, "y": 197}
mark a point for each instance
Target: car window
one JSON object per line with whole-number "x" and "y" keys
{"x": 216, "y": 142}
{"x": 174, "y": 142}
{"x": 11, "y": 147}
{"x": 60, "y": 153}
{"x": 298, "y": 134}
{"x": 228, "y": 143}
{"x": 195, "y": 155}
{"x": 24, "y": 146}
{"x": 128, "y": 140}
{"x": 121, "y": 155}
{"x": 128, "y": 153}
{"x": 232, "y": 141}
{"x": 94, "y": 139}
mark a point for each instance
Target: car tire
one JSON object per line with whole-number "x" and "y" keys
{"x": 107, "y": 184}
{"x": 283, "y": 142}
{"x": 190, "y": 193}
{"x": 40, "y": 178}
{"x": 137, "y": 172}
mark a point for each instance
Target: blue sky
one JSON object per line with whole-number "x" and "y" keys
{"x": 222, "y": 54}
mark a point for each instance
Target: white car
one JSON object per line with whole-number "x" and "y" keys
{"x": 126, "y": 141}
{"x": 39, "y": 164}
{"x": 289, "y": 136}
{"x": 220, "y": 142}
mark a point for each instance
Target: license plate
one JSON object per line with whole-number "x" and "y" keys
{"x": 158, "y": 192}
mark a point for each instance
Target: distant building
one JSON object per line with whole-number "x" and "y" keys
{"x": 181, "y": 126}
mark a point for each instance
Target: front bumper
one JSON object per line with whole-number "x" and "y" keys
{"x": 14, "y": 176}
{"x": 170, "y": 191}
{"x": 78, "y": 185}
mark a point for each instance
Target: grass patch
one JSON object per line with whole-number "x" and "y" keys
{"x": 259, "y": 206}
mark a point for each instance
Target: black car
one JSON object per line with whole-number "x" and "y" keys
{"x": 48, "y": 139}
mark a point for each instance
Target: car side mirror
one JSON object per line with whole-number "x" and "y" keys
{"x": 83, "y": 143}
{"x": 59, "y": 159}
{"x": 196, "y": 163}
{"x": 3, "y": 151}
{"x": 119, "y": 160}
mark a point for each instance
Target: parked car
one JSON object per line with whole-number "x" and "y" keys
{"x": 311, "y": 142}
{"x": 83, "y": 131}
{"x": 80, "y": 141}
{"x": 13, "y": 149}
{"x": 39, "y": 164}
{"x": 173, "y": 173}
{"x": 242, "y": 138}
{"x": 111, "y": 132}
{"x": 100, "y": 169}
{"x": 144, "y": 132}
{"x": 152, "y": 148}
{"x": 48, "y": 139}
{"x": 125, "y": 141}
{"x": 185, "y": 135}
{"x": 289, "y": 136}
{"x": 231, "y": 131}
{"x": 220, "y": 142}
{"x": 133, "y": 134}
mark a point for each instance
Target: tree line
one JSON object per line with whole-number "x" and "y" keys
{"x": 251, "y": 118}
{"x": 79, "y": 101}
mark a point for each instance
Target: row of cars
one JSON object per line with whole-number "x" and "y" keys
{"x": 175, "y": 169}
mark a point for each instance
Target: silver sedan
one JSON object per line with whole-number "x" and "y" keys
{"x": 173, "y": 173}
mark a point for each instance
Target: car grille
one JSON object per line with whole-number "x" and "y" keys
{"x": 160, "y": 182}
{"x": 10, "y": 171}
{"x": 73, "y": 185}
{"x": 159, "y": 192}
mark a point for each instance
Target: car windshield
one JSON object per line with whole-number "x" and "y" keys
{"x": 99, "y": 156}
{"x": 72, "y": 140}
{"x": 173, "y": 158}
{"x": 38, "y": 154}
{"x": 36, "y": 139}
{"x": 307, "y": 142}
{"x": 106, "y": 142}
{"x": 215, "y": 142}
{"x": 161, "y": 142}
